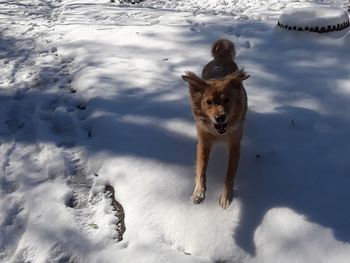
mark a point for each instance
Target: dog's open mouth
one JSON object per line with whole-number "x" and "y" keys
{"x": 221, "y": 128}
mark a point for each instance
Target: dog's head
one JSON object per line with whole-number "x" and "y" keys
{"x": 214, "y": 101}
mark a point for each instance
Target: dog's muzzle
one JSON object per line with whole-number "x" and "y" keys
{"x": 220, "y": 128}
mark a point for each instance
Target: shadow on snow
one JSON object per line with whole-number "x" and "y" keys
{"x": 302, "y": 163}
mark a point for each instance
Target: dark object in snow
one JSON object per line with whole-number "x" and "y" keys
{"x": 257, "y": 156}
{"x": 118, "y": 208}
{"x": 53, "y": 49}
{"x": 314, "y": 19}
{"x": 93, "y": 226}
{"x": 81, "y": 107}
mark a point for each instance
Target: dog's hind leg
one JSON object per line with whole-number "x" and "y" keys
{"x": 227, "y": 194}
{"x": 203, "y": 153}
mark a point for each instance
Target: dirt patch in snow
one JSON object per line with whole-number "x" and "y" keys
{"x": 119, "y": 211}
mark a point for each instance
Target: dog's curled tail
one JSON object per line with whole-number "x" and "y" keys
{"x": 223, "y": 49}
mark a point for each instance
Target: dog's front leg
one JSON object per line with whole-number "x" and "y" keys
{"x": 203, "y": 153}
{"x": 227, "y": 194}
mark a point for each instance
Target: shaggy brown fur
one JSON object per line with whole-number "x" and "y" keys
{"x": 219, "y": 105}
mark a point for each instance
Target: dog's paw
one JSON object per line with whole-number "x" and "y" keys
{"x": 226, "y": 200}
{"x": 198, "y": 197}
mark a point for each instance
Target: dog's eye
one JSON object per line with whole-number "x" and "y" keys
{"x": 226, "y": 100}
{"x": 209, "y": 102}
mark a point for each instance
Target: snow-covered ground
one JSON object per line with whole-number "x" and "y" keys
{"x": 91, "y": 95}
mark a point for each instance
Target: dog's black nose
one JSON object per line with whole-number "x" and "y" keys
{"x": 220, "y": 119}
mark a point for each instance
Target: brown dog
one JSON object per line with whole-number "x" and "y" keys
{"x": 219, "y": 105}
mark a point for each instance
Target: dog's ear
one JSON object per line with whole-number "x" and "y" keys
{"x": 236, "y": 77}
{"x": 195, "y": 83}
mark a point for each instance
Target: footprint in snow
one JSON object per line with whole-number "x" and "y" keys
{"x": 20, "y": 93}
{"x": 9, "y": 187}
{"x": 12, "y": 229}
{"x": 62, "y": 124}
{"x": 82, "y": 113}
{"x": 195, "y": 25}
{"x": 71, "y": 200}
{"x": 189, "y": 21}
{"x": 85, "y": 198}
{"x": 12, "y": 214}
{"x": 64, "y": 253}
{"x": 50, "y": 105}
{"x": 246, "y": 44}
{"x": 53, "y": 50}
{"x": 19, "y": 115}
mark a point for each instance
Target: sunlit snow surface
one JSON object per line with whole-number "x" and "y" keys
{"x": 91, "y": 94}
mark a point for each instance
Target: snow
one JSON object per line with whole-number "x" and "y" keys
{"x": 314, "y": 16}
{"x": 91, "y": 94}
{"x": 294, "y": 239}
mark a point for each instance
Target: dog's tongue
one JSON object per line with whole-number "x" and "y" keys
{"x": 220, "y": 128}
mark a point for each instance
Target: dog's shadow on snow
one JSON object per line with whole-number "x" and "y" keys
{"x": 295, "y": 158}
